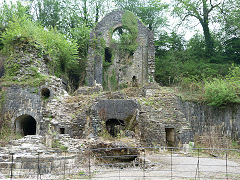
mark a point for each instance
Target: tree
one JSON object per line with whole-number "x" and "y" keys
{"x": 47, "y": 12}
{"x": 149, "y": 11}
{"x": 202, "y": 10}
{"x": 230, "y": 19}
{"x": 8, "y": 13}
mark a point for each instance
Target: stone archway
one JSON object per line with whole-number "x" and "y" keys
{"x": 25, "y": 125}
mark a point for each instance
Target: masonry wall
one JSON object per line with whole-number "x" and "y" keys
{"x": 23, "y": 101}
{"x": 140, "y": 65}
{"x": 111, "y": 109}
{"x": 221, "y": 120}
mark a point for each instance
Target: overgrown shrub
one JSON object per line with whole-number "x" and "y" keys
{"x": 222, "y": 91}
{"x": 215, "y": 91}
{"x": 219, "y": 92}
{"x": 63, "y": 52}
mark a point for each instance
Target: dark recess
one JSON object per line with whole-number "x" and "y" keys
{"x": 114, "y": 126}
{"x": 108, "y": 55}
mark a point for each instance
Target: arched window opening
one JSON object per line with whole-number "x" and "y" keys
{"x": 26, "y": 125}
{"x": 115, "y": 126}
{"x": 119, "y": 33}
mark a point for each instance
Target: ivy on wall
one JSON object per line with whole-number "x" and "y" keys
{"x": 128, "y": 40}
{"x": 126, "y": 45}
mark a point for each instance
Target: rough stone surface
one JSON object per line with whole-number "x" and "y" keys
{"x": 86, "y": 90}
{"x": 30, "y": 153}
{"x": 207, "y": 119}
{"x": 117, "y": 109}
{"x": 141, "y": 65}
{"x": 2, "y": 59}
{"x": 106, "y": 109}
{"x": 160, "y": 109}
{"x": 105, "y": 150}
{"x": 20, "y": 100}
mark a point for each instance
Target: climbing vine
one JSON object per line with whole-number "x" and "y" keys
{"x": 113, "y": 80}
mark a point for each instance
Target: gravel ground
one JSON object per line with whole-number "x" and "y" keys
{"x": 182, "y": 168}
{"x": 158, "y": 166}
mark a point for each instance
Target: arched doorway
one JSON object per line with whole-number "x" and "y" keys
{"x": 26, "y": 125}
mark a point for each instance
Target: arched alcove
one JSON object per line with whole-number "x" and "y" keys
{"x": 26, "y": 125}
{"x": 114, "y": 126}
{"x": 45, "y": 93}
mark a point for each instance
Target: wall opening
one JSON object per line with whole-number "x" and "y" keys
{"x": 62, "y": 130}
{"x": 45, "y": 93}
{"x": 134, "y": 81}
{"x": 26, "y": 125}
{"x": 118, "y": 33}
{"x": 108, "y": 55}
{"x": 170, "y": 137}
{"x": 114, "y": 126}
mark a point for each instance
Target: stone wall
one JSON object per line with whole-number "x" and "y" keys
{"x": 27, "y": 100}
{"x": 124, "y": 67}
{"x": 23, "y": 101}
{"x": 111, "y": 109}
{"x": 27, "y": 89}
{"x": 209, "y": 119}
{"x": 161, "y": 110}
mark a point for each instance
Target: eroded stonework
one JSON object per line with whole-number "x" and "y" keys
{"x": 121, "y": 68}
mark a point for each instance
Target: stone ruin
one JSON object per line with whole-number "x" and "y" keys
{"x": 121, "y": 51}
{"x": 144, "y": 112}
{"x": 48, "y": 110}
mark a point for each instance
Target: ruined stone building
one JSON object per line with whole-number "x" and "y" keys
{"x": 121, "y": 55}
{"x": 121, "y": 52}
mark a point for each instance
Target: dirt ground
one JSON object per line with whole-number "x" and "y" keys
{"x": 183, "y": 167}
{"x": 161, "y": 166}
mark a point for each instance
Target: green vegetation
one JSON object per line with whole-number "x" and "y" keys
{"x": 6, "y": 133}
{"x": 62, "y": 51}
{"x": 57, "y": 144}
{"x": 113, "y": 81}
{"x": 219, "y": 92}
{"x": 199, "y": 66}
{"x": 128, "y": 41}
{"x": 215, "y": 91}
{"x": 126, "y": 35}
